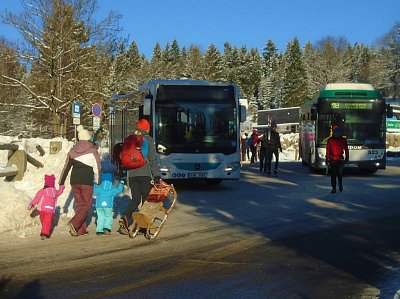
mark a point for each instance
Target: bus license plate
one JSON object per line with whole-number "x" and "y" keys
{"x": 197, "y": 175}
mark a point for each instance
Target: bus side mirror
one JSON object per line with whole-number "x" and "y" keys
{"x": 242, "y": 113}
{"x": 389, "y": 111}
{"x": 147, "y": 104}
{"x": 313, "y": 113}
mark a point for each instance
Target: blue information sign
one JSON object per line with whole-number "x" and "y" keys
{"x": 76, "y": 108}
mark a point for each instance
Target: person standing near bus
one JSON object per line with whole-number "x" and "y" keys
{"x": 141, "y": 179}
{"x": 337, "y": 153}
{"x": 273, "y": 148}
{"x": 264, "y": 151}
{"x": 252, "y": 142}
{"x": 245, "y": 146}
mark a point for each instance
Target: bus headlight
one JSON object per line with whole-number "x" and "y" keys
{"x": 232, "y": 166}
{"x": 164, "y": 168}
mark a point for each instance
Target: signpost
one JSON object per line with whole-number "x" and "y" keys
{"x": 76, "y": 115}
{"x": 96, "y": 110}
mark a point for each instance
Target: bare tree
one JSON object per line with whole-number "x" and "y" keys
{"x": 62, "y": 45}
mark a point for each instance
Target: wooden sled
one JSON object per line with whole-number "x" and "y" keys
{"x": 153, "y": 215}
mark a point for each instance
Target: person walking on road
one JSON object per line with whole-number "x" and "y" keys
{"x": 45, "y": 200}
{"x": 273, "y": 148}
{"x": 264, "y": 151}
{"x": 140, "y": 179}
{"x": 105, "y": 193}
{"x": 245, "y": 147}
{"x": 84, "y": 160}
{"x": 337, "y": 154}
{"x": 252, "y": 142}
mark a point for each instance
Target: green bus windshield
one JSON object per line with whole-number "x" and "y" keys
{"x": 362, "y": 120}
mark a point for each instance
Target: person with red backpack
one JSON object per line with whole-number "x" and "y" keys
{"x": 336, "y": 146}
{"x": 138, "y": 156}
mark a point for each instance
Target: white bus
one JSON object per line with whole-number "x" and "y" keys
{"x": 195, "y": 124}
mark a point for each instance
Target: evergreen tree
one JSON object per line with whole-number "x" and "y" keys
{"x": 156, "y": 63}
{"x": 269, "y": 83}
{"x": 194, "y": 64}
{"x": 295, "y": 80}
{"x": 213, "y": 64}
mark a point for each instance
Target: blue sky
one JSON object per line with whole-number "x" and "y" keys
{"x": 247, "y": 23}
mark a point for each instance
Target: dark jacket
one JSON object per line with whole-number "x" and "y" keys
{"x": 271, "y": 140}
{"x": 84, "y": 160}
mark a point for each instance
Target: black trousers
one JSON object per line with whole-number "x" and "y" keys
{"x": 263, "y": 159}
{"x": 253, "y": 154}
{"x": 140, "y": 189}
{"x": 270, "y": 152}
{"x": 336, "y": 171}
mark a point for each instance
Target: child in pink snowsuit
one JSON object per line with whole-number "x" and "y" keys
{"x": 45, "y": 200}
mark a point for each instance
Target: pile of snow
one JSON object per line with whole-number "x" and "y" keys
{"x": 15, "y": 196}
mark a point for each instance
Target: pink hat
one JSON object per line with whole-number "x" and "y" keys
{"x": 49, "y": 180}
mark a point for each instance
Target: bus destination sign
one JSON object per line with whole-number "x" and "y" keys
{"x": 351, "y": 106}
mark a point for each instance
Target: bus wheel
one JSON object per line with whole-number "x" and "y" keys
{"x": 213, "y": 181}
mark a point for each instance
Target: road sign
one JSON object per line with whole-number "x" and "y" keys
{"x": 76, "y": 120}
{"x": 96, "y": 109}
{"x": 96, "y": 123}
{"x": 76, "y": 110}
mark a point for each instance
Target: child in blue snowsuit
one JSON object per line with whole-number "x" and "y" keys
{"x": 105, "y": 193}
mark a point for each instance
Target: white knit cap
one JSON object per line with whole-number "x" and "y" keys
{"x": 83, "y": 134}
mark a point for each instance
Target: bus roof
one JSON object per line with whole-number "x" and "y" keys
{"x": 349, "y": 90}
{"x": 152, "y": 83}
{"x": 348, "y": 86}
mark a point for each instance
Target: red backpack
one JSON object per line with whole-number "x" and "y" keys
{"x": 131, "y": 154}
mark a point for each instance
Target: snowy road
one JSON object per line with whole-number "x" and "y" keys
{"x": 260, "y": 237}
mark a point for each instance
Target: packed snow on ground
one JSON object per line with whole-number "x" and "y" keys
{"x": 15, "y": 196}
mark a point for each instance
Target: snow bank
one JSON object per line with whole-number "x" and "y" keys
{"x": 15, "y": 196}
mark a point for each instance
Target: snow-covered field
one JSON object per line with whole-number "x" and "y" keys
{"x": 15, "y": 196}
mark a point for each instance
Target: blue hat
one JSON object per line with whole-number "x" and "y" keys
{"x": 107, "y": 176}
{"x": 337, "y": 130}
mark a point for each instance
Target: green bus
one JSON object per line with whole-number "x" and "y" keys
{"x": 360, "y": 110}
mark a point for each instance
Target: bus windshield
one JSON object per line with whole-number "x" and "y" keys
{"x": 362, "y": 123}
{"x": 200, "y": 127}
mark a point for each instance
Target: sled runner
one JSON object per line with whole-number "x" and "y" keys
{"x": 154, "y": 212}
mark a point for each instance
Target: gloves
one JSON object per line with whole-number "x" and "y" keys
{"x": 157, "y": 179}
{"x": 30, "y": 207}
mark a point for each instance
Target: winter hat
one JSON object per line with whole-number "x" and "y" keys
{"x": 49, "y": 180}
{"x": 337, "y": 130}
{"x": 143, "y": 125}
{"x": 83, "y": 134}
{"x": 107, "y": 176}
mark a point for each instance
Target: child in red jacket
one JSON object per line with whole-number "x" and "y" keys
{"x": 45, "y": 200}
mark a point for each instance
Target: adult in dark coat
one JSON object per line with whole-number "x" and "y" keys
{"x": 84, "y": 160}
